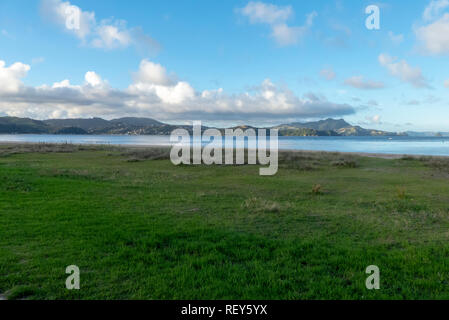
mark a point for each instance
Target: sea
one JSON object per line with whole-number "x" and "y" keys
{"x": 436, "y": 146}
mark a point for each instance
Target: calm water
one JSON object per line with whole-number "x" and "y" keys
{"x": 398, "y": 145}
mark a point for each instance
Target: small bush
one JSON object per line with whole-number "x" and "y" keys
{"x": 317, "y": 189}
{"x": 345, "y": 163}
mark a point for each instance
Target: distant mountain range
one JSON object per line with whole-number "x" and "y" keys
{"x": 147, "y": 126}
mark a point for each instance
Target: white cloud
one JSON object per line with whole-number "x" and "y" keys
{"x": 153, "y": 73}
{"x": 155, "y": 94}
{"x": 360, "y": 83}
{"x": 107, "y": 34}
{"x": 328, "y": 74}
{"x": 62, "y": 84}
{"x": 396, "y": 39}
{"x": 152, "y": 79}
{"x": 402, "y": 70}
{"x": 111, "y": 37}
{"x": 10, "y": 77}
{"x": 276, "y": 17}
{"x": 285, "y": 35}
{"x": 434, "y": 8}
{"x": 434, "y": 38}
{"x": 433, "y": 34}
{"x": 63, "y": 13}
{"x": 259, "y": 12}
{"x": 93, "y": 79}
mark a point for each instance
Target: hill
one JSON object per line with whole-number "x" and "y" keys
{"x": 13, "y": 125}
{"x": 290, "y": 130}
{"x": 322, "y": 125}
{"x": 85, "y": 124}
{"x": 148, "y": 126}
{"x": 133, "y": 121}
{"x": 333, "y": 127}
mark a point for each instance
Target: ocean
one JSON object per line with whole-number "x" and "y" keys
{"x": 389, "y": 145}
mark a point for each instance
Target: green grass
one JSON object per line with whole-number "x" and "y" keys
{"x": 140, "y": 228}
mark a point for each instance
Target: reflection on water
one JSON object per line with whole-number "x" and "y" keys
{"x": 398, "y": 145}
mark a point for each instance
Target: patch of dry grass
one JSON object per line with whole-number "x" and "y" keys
{"x": 439, "y": 163}
{"x": 401, "y": 193}
{"x": 11, "y": 149}
{"x": 317, "y": 189}
{"x": 307, "y": 160}
{"x": 150, "y": 153}
{"x": 256, "y": 205}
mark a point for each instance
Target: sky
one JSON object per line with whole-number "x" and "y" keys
{"x": 228, "y": 62}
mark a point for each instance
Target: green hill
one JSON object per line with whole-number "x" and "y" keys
{"x": 22, "y": 125}
{"x": 148, "y": 126}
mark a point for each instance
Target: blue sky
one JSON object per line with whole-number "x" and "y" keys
{"x": 228, "y": 62}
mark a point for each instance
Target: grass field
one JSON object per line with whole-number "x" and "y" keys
{"x": 141, "y": 228}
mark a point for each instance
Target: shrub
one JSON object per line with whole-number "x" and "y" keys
{"x": 316, "y": 189}
{"x": 345, "y": 163}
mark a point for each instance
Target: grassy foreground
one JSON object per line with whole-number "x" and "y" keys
{"x": 141, "y": 228}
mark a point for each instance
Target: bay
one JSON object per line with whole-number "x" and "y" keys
{"x": 390, "y": 145}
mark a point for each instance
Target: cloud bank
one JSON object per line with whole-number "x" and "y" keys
{"x": 155, "y": 93}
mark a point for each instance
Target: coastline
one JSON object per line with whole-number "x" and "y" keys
{"x": 379, "y": 155}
